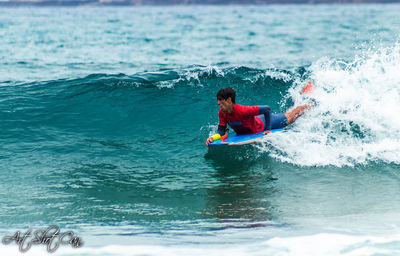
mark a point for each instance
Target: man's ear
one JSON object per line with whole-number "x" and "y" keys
{"x": 229, "y": 100}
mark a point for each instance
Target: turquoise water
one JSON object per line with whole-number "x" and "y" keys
{"x": 105, "y": 112}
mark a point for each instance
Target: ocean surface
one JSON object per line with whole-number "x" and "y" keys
{"x": 104, "y": 113}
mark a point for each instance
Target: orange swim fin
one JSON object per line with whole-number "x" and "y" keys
{"x": 308, "y": 89}
{"x": 224, "y": 137}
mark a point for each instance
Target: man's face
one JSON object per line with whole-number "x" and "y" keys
{"x": 226, "y": 105}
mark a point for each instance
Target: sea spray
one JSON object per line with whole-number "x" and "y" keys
{"x": 355, "y": 120}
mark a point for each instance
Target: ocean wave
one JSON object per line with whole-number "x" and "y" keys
{"x": 352, "y": 124}
{"x": 130, "y": 107}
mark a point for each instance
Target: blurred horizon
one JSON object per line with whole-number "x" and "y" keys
{"x": 177, "y": 2}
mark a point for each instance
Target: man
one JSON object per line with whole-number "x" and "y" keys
{"x": 249, "y": 119}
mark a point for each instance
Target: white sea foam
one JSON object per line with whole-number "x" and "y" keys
{"x": 275, "y": 74}
{"x": 356, "y": 120}
{"x": 327, "y": 244}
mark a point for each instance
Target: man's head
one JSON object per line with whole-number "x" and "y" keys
{"x": 226, "y": 93}
{"x": 226, "y": 99}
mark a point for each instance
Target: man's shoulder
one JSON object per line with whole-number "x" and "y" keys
{"x": 241, "y": 108}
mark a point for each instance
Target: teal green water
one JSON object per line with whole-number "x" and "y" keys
{"x": 105, "y": 112}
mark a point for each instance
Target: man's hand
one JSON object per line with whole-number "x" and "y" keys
{"x": 267, "y": 131}
{"x": 209, "y": 140}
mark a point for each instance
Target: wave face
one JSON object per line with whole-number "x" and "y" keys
{"x": 174, "y": 105}
{"x": 108, "y": 138}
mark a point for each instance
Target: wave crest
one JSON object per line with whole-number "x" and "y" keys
{"x": 355, "y": 121}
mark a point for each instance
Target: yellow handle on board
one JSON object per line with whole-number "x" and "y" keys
{"x": 216, "y": 137}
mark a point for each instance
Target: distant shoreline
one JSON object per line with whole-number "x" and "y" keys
{"x": 49, "y": 3}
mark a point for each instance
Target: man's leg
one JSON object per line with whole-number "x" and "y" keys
{"x": 295, "y": 113}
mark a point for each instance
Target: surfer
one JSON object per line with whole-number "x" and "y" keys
{"x": 249, "y": 119}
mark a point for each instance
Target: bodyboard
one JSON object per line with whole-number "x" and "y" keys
{"x": 243, "y": 139}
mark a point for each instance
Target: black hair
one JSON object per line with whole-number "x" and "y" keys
{"x": 226, "y": 93}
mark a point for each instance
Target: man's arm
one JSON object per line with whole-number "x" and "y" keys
{"x": 221, "y": 128}
{"x": 266, "y": 111}
{"x": 221, "y": 132}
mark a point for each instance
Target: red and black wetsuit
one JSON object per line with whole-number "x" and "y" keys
{"x": 245, "y": 119}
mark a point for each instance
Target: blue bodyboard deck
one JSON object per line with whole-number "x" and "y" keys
{"x": 237, "y": 140}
